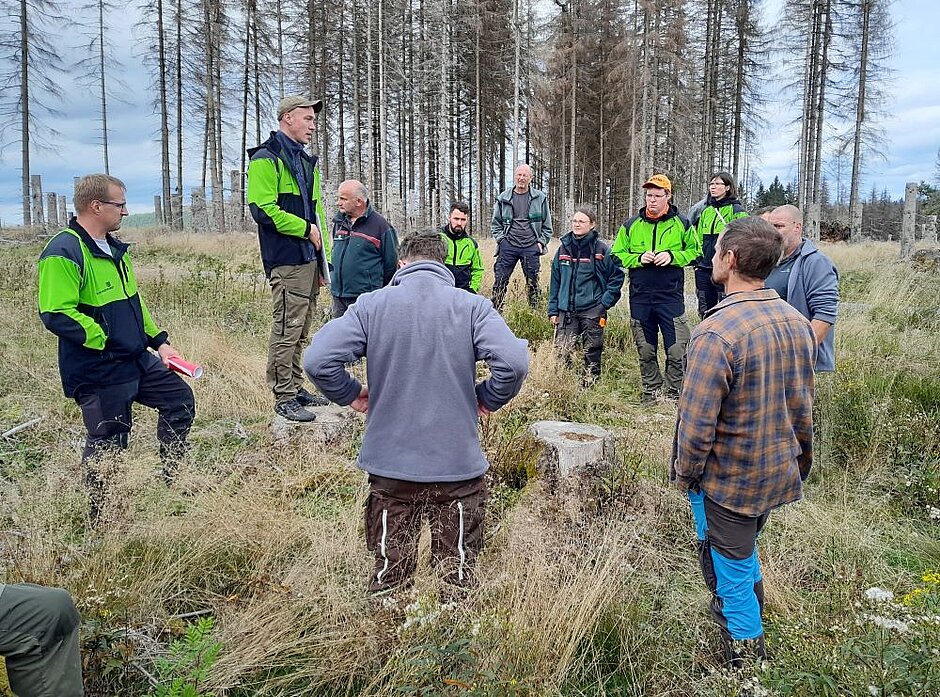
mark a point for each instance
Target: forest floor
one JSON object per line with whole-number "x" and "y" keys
{"x": 247, "y": 576}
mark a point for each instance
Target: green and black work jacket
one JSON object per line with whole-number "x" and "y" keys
{"x": 710, "y": 222}
{"x": 670, "y": 233}
{"x": 462, "y": 257}
{"x": 283, "y": 212}
{"x": 90, "y": 301}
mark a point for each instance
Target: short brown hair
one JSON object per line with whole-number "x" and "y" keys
{"x": 588, "y": 210}
{"x": 423, "y": 245}
{"x": 93, "y": 187}
{"x": 756, "y": 244}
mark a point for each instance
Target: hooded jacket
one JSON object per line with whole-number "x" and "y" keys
{"x": 670, "y": 233}
{"x": 89, "y": 300}
{"x": 277, "y": 205}
{"x": 422, "y": 338}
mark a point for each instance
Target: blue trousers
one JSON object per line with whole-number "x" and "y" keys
{"x": 727, "y": 546}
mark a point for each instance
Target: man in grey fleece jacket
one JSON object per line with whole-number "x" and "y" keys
{"x": 422, "y": 338}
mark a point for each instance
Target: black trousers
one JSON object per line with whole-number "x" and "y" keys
{"x": 507, "y": 256}
{"x": 574, "y": 329}
{"x": 707, "y": 291}
{"x": 106, "y": 411}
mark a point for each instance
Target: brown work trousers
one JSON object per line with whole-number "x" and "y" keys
{"x": 294, "y": 293}
{"x": 394, "y": 512}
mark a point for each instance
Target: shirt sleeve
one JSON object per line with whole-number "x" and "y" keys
{"x": 708, "y": 378}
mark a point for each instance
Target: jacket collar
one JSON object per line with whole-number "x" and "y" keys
{"x": 120, "y": 248}
{"x": 570, "y": 239}
{"x": 671, "y": 213}
{"x": 341, "y": 217}
{"x": 423, "y": 268}
{"x": 454, "y": 235}
{"x": 743, "y": 296}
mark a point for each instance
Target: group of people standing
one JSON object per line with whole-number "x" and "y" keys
{"x": 744, "y": 432}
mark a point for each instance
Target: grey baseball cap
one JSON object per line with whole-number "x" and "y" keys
{"x": 295, "y": 102}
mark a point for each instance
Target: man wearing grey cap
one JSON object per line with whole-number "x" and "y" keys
{"x": 284, "y": 199}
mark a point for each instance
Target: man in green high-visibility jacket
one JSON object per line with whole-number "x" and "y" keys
{"x": 284, "y": 199}
{"x": 88, "y": 298}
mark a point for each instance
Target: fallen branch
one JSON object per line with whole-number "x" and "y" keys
{"x": 22, "y": 427}
{"x": 143, "y": 671}
{"x": 194, "y": 613}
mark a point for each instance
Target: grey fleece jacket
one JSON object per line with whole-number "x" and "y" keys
{"x": 422, "y": 338}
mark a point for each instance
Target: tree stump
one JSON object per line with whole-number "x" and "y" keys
{"x": 332, "y": 425}
{"x": 576, "y": 461}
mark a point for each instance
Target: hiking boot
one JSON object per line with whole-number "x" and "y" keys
{"x": 649, "y": 399}
{"x": 307, "y": 399}
{"x": 292, "y": 410}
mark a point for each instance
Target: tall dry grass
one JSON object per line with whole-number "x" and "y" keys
{"x": 266, "y": 533}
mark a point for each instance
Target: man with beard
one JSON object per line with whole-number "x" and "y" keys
{"x": 744, "y": 434}
{"x": 462, "y": 256}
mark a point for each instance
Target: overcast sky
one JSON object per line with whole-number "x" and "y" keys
{"x": 912, "y": 129}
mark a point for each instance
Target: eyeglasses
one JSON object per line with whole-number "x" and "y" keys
{"x": 580, "y": 221}
{"x": 655, "y": 197}
{"x": 117, "y": 204}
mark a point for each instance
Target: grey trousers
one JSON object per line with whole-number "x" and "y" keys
{"x": 294, "y": 293}
{"x": 39, "y": 640}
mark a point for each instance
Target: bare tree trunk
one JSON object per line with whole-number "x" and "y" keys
{"x": 855, "y": 234}
{"x": 517, "y": 37}
{"x": 383, "y": 126}
{"x": 239, "y": 206}
{"x": 370, "y": 97}
{"x": 910, "y": 218}
{"x": 179, "y": 116}
{"x": 820, "y": 114}
{"x": 478, "y": 117}
{"x": 569, "y": 203}
{"x": 164, "y": 122}
{"x": 279, "y": 14}
{"x": 24, "y": 112}
{"x": 104, "y": 93}
{"x": 36, "y": 199}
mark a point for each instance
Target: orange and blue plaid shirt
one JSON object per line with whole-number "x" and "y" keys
{"x": 744, "y": 434}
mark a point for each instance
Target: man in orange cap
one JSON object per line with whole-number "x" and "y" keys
{"x": 654, "y": 246}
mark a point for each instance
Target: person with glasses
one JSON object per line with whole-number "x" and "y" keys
{"x": 111, "y": 352}
{"x": 586, "y": 281}
{"x": 721, "y": 207}
{"x": 655, "y": 245}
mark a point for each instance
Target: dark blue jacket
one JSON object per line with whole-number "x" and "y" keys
{"x": 585, "y": 275}
{"x": 365, "y": 254}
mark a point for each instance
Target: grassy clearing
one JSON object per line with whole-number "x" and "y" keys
{"x": 266, "y": 534}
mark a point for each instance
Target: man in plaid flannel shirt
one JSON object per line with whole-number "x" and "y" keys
{"x": 744, "y": 435}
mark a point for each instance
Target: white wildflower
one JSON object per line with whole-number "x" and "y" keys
{"x": 879, "y": 595}
{"x": 934, "y": 513}
{"x": 873, "y": 691}
{"x": 887, "y": 623}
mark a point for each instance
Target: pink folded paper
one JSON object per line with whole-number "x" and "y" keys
{"x": 184, "y": 367}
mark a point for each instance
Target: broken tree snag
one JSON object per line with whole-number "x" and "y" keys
{"x": 577, "y": 459}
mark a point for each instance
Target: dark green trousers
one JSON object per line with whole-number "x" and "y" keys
{"x": 39, "y": 640}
